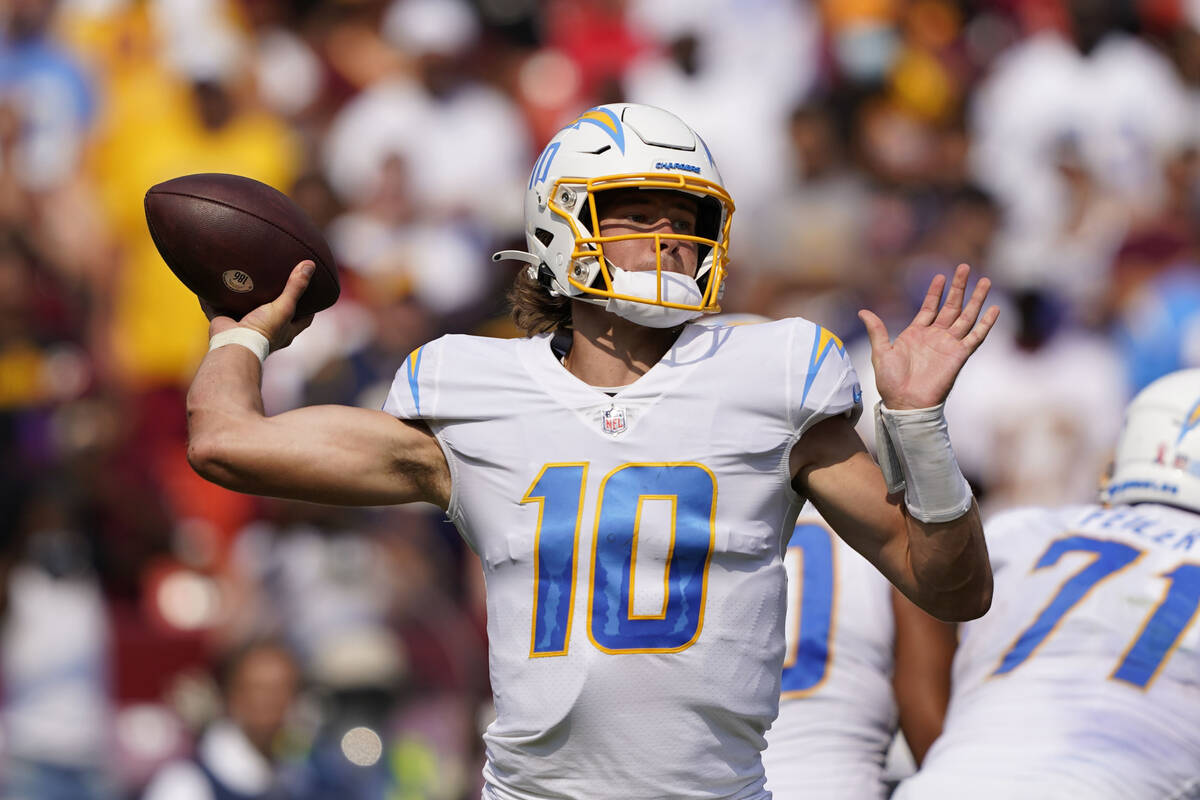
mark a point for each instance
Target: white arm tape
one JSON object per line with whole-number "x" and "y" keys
{"x": 252, "y": 340}
{"x": 914, "y": 452}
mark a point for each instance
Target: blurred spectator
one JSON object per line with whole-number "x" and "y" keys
{"x": 1155, "y": 295}
{"x": 391, "y": 238}
{"x": 811, "y": 241}
{"x": 463, "y": 142}
{"x": 239, "y": 755}
{"x": 288, "y": 75}
{"x": 1120, "y": 105}
{"x": 52, "y": 95}
{"x": 1074, "y": 260}
{"x": 307, "y": 574}
{"x": 711, "y": 70}
{"x": 55, "y": 655}
{"x": 1038, "y": 417}
{"x": 599, "y": 39}
{"x": 41, "y": 358}
{"x": 187, "y": 109}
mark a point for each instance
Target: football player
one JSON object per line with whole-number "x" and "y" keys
{"x": 626, "y": 478}
{"x": 860, "y": 658}
{"x": 1084, "y": 678}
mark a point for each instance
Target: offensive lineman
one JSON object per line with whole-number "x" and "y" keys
{"x": 860, "y": 658}
{"x": 628, "y": 479}
{"x": 1084, "y": 678}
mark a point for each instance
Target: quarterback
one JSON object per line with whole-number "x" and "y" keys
{"x": 627, "y": 479}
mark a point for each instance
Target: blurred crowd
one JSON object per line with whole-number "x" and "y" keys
{"x": 1051, "y": 144}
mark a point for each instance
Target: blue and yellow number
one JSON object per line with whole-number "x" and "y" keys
{"x": 1110, "y": 558}
{"x": 613, "y": 625}
{"x": 558, "y": 491}
{"x": 810, "y": 568}
{"x": 1160, "y": 633}
{"x": 1163, "y": 629}
{"x": 691, "y": 490}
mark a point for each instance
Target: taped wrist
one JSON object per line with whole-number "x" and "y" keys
{"x": 252, "y": 340}
{"x": 913, "y": 447}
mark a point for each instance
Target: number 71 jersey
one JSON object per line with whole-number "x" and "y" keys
{"x": 1083, "y": 680}
{"x": 631, "y": 546}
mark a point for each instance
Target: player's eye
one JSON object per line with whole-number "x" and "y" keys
{"x": 683, "y": 226}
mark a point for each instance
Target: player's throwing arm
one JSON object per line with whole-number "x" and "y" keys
{"x": 325, "y": 454}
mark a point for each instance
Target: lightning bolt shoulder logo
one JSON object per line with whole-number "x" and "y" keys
{"x": 414, "y": 366}
{"x": 823, "y": 342}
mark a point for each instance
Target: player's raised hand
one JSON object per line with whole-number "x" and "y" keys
{"x": 274, "y": 319}
{"x": 919, "y": 367}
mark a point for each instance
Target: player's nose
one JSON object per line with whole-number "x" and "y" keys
{"x": 664, "y": 225}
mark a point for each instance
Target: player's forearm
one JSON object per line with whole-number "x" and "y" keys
{"x": 923, "y": 656}
{"x": 949, "y": 563}
{"x": 224, "y": 404}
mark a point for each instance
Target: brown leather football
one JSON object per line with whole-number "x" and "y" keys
{"x": 233, "y": 241}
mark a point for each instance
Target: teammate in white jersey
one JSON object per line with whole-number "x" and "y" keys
{"x": 1084, "y": 678}
{"x": 628, "y": 479}
{"x": 860, "y": 658}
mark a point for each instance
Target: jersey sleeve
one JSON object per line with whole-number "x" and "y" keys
{"x": 413, "y": 395}
{"x": 822, "y": 382}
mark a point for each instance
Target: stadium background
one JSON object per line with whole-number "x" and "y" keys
{"x": 868, "y": 143}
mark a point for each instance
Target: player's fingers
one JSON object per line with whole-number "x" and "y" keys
{"x": 933, "y": 297}
{"x": 297, "y": 282}
{"x": 954, "y": 298}
{"x": 970, "y": 312}
{"x": 975, "y": 338}
{"x": 876, "y": 331}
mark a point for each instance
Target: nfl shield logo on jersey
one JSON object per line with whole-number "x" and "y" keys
{"x": 614, "y": 420}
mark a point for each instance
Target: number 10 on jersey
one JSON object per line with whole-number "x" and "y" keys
{"x": 613, "y": 624}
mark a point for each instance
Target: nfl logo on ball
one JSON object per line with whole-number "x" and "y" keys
{"x": 614, "y": 420}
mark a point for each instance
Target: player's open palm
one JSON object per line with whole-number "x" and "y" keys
{"x": 919, "y": 367}
{"x": 273, "y": 320}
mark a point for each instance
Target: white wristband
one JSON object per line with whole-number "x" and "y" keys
{"x": 914, "y": 452}
{"x": 252, "y": 340}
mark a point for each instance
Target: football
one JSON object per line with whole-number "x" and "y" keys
{"x": 233, "y": 241}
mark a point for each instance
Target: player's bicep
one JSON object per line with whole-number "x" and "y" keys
{"x": 830, "y": 466}
{"x": 331, "y": 454}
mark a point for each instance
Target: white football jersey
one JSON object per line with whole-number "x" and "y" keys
{"x": 1083, "y": 680}
{"x": 632, "y": 548}
{"x": 837, "y": 713}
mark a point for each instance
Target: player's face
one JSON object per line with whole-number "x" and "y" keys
{"x": 643, "y": 211}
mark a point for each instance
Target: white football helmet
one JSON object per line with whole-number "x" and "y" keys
{"x": 619, "y": 146}
{"x": 1158, "y": 452}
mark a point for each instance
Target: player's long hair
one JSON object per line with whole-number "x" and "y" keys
{"x": 534, "y": 310}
